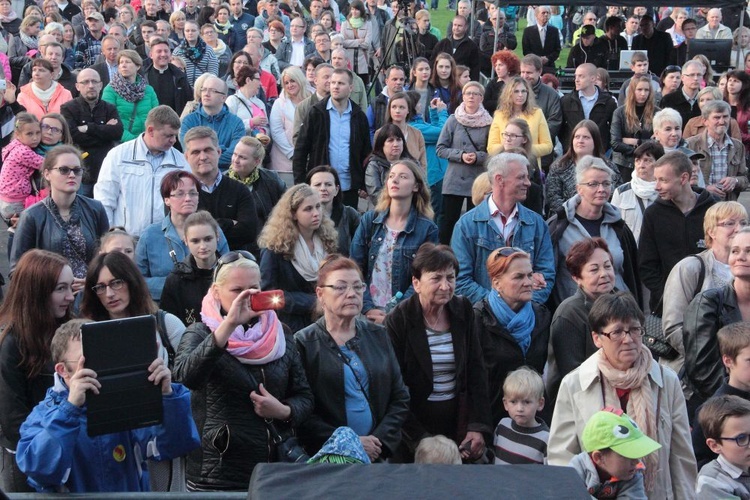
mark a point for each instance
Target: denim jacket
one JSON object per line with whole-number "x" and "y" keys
{"x": 475, "y": 237}
{"x": 370, "y": 236}
{"x": 152, "y": 253}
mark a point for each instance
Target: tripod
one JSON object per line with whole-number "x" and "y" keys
{"x": 409, "y": 51}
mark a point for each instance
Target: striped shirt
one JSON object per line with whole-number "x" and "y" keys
{"x": 443, "y": 365}
{"x": 516, "y": 445}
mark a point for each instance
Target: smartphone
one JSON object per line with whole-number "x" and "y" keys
{"x": 269, "y": 300}
{"x": 3, "y": 85}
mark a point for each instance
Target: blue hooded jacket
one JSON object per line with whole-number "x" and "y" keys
{"x": 227, "y": 126}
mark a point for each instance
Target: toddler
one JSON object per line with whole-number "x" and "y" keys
{"x": 19, "y": 163}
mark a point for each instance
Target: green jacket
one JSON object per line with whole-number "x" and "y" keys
{"x": 132, "y": 115}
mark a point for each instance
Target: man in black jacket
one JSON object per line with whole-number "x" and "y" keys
{"x": 460, "y": 45}
{"x": 685, "y": 99}
{"x": 94, "y": 125}
{"x": 658, "y": 44}
{"x": 587, "y": 102}
{"x": 673, "y": 225}
{"x": 229, "y": 201}
{"x": 169, "y": 82}
{"x": 588, "y": 50}
{"x": 324, "y": 139}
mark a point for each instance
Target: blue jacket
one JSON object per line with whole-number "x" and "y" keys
{"x": 152, "y": 253}
{"x": 227, "y": 126}
{"x": 56, "y": 453}
{"x": 476, "y": 236}
{"x": 436, "y": 166}
{"x": 366, "y": 246}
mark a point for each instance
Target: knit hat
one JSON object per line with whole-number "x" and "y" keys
{"x": 613, "y": 429}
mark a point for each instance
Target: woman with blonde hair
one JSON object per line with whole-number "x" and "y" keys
{"x": 296, "y": 238}
{"x": 387, "y": 238}
{"x": 193, "y": 105}
{"x": 294, "y": 91}
{"x": 177, "y": 22}
{"x": 517, "y": 101}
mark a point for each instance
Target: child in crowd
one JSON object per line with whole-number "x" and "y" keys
{"x": 437, "y": 450}
{"x": 611, "y": 465}
{"x": 117, "y": 239}
{"x": 55, "y": 451}
{"x": 463, "y": 75}
{"x": 522, "y": 437}
{"x": 725, "y": 421}
{"x": 734, "y": 346}
{"x": 19, "y": 163}
{"x": 639, "y": 67}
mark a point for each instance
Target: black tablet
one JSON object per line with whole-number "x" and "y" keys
{"x": 120, "y": 352}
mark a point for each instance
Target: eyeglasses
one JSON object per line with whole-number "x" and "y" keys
{"x": 230, "y": 257}
{"x": 742, "y": 440}
{"x": 89, "y": 82}
{"x": 732, "y": 223}
{"x": 184, "y": 194}
{"x": 595, "y": 185}
{"x": 694, "y": 75}
{"x": 508, "y": 135}
{"x": 520, "y": 91}
{"x": 100, "y": 288}
{"x": 357, "y": 288}
{"x": 67, "y": 170}
{"x": 204, "y": 90}
{"x": 472, "y": 94}
{"x": 618, "y": 335}
{"x": 50, "y": 128}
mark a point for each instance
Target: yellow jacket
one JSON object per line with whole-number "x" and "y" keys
{"x": 541, "y": 141}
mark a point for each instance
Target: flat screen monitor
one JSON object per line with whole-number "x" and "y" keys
{"x": 718, "y": 52}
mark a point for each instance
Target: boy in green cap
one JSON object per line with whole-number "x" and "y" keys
{"x": 611, "y": 465}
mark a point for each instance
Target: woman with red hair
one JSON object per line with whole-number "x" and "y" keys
{"x": 506, "y": 65}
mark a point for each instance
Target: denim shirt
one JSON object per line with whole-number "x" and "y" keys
{"x": 369, "y": 238}
{"x": 475, "y": 237}
{"x": 152, "y": 253}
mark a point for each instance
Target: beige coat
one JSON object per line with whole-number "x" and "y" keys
{"x": 735, "y": 167}
{"x": 580, "y": 397}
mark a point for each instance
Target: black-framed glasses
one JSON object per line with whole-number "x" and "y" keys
{"x": 230, "y": 257}
{"x": 50, "y": 128}
{"x": 596, "y": 185}
{"x": 115, "y": 284}
{"x": 742, "y": 440}
{"x": 618, "y": 335}
{"x": 67, "y": 170}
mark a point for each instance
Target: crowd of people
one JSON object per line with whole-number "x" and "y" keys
{"x": 466, "y": 263}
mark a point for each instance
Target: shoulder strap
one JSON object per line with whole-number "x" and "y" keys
{"x": 640, "y": 204}
{"x": 161, "y": 327}
{"x": 701, "y": 277}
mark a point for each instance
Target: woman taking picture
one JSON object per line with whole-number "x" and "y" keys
{"x": 589, "y": 214}
{"x": 352, "y": 369}
{"x": 295, "y": 240}
{"x": 162, "y": 244}
{"x": 357, "y": 32}
{"x": 437, "y": 346}
{"x": 325, "y": 180}
{"x": 294, "y": 91}
{"x": 388, "y": 237}
{"x": 517, "y": 101}
{"x": 561, "y": 181}
{"x": 43, "y": 94}
{"x": 506, "y": 65}
{"x": 444, "y": 81}
{"x": 632, "y": 123}
{"x": 63, "y": 222}
{"x": 401, "y": 109}
{"x": 622, "y": 374}
{"x": 463, "y": 142}
{"x": 389, "y": 146}
{"x": 513, "y": 330}
{"x": 130, "y": 94}
{"x": 245, "y": 102}
{"x": 38, "y": 301}
{"x": 198, "y": 57}
{"x": 218, "y": 359}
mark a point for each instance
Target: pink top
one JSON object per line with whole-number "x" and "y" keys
{"x": 19, "y": 162}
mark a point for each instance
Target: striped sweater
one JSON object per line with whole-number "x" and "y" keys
{"x": 520, "y": 445}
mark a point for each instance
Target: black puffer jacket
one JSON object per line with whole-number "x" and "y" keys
{"x": 223, "y": 411}
{"x": 184, "y": 290}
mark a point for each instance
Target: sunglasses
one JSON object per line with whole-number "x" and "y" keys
{"x": 508, "y": 251}
{"x": 67, "y": 170}
{"x": 230, "y": 257}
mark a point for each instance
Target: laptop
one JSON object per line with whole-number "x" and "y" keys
{"x": 120, "y": 352}
{"x": 625, "y": 57}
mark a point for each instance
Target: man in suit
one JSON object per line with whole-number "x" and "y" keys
{"x": 107, "y": 68}
{"x": 542, "y": 39}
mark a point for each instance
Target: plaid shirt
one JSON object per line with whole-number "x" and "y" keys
{"x": 87, "y": 50}
{"x": 719, "y": 158}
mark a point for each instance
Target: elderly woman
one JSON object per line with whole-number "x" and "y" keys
{"x": 589, "y": 214}
{"x": 708, "y": 312}
{"x": 668, "y": 131}
{"x": 221, "y": 360}
{"x": 265, "y": 186}
{"x": 590, "y": 263}
{"x": 294, "y": 91}
{"x": 740, "y": 47}
{"x": 325, "y": 180}
{"x": 463, "y": 142}
{"x": 11, "y": 20}
{"x": 352, "y": 369}
{"x": 199, "y": 58}
{"x": 506, "y": 65}
{"x": 437, "y": 347}
{"x": 162, "y": 245}
{"x": 246, "y": 104}
{"x": 130, "y": 94}
{"x": 561, "y": 180}
{"x": 42, "y": 94}
{"x": 623, "y": 375}
{"x": 513, "y": 330}
{"x": 696, "y": 125}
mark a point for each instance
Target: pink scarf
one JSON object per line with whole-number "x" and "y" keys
{"x": 259, "y": 344}
{"x": 475, "y": 120}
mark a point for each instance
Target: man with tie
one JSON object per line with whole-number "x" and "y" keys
{"x": 542, "y": 39}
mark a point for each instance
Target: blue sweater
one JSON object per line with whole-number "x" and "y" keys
{"x": 227, "y": 126}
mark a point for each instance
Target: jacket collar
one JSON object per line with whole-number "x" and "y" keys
{"x": 611, "y": 214}
{"x": 482, "y": 213}
{"x": 588, "y": 373}
{"x": 410, "y": 224}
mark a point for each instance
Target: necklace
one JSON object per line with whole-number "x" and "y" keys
{"x": 429, "y": 324}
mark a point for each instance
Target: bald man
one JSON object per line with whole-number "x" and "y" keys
{"x": 587, "y": 102}
{"x": 714, "y": 30}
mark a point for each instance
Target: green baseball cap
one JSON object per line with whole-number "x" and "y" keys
{"x": 615, "y": 430}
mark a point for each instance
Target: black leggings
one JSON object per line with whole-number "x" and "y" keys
{"x": 452, "y": 205}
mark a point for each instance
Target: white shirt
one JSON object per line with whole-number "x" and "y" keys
{"x": 298, "y": 53}
{"x": 506, "y": 225}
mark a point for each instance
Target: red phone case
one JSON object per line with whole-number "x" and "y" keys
{"x": 268, "y": 300}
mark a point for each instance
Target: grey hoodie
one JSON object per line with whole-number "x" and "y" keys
{"x": 632, "y": 489}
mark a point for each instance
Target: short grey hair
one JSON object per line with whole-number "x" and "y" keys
{"x": 715, "y": 106}
{"x": 500, "y": 164}
{"x": 692, "y": 62}
{"x": 592, "y": 163}
{"x": 713, "y": 91}
{"x": 666, "y": 115}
